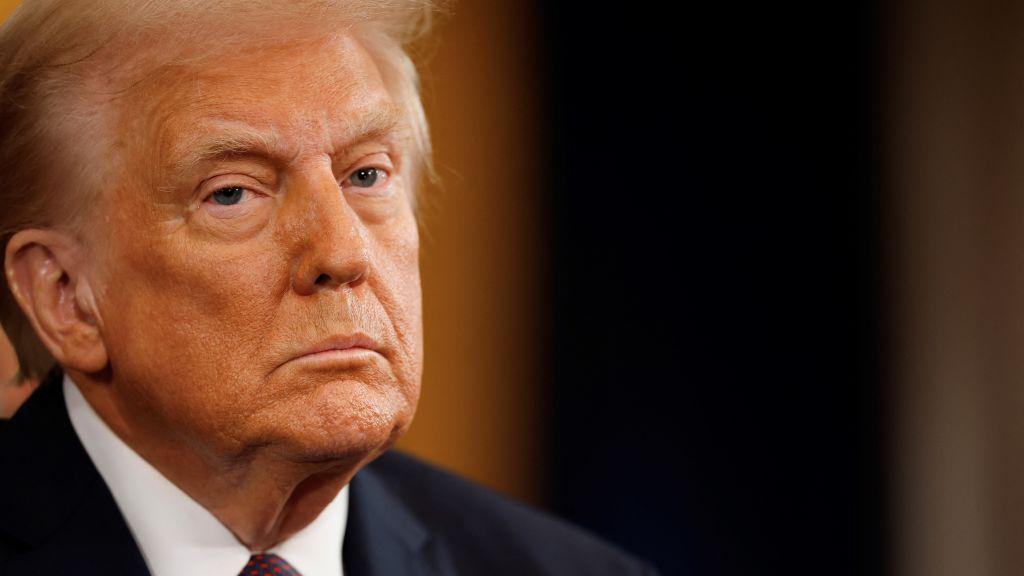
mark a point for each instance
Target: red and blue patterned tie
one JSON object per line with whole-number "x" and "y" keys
{"x": 268, "y": 565}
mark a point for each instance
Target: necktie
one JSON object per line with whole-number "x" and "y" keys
{"x": 268, "y": 565}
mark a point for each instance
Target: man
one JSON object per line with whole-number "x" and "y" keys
{"x": 208, "y": 227}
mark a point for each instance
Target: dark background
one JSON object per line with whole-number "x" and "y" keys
{"x": 716, "y": 285}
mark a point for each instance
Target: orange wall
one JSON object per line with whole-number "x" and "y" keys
{"x": 480, "y": 412}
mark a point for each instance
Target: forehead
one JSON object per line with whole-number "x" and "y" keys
{"x": 311, "y": 95}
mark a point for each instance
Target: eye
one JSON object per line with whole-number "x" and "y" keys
{"x": 228, "y": 195}
{"x": 232, "y": 201}
{"x": 367, "y": 177}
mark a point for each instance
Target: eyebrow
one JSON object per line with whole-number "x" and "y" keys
{"x": 232, "y": 139}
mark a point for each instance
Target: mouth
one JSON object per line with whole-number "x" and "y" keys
{"x": 341, "y": 351}
{"x": 342, "y": 343}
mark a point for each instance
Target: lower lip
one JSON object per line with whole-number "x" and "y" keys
{"x": 349, "y": 357}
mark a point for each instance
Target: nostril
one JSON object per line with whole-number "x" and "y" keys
{"x": 323, "y": 279}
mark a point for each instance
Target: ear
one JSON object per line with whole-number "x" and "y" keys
{"x": 43, "y": 269}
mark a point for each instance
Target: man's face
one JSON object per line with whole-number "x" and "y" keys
{"x": 261, "y": 222}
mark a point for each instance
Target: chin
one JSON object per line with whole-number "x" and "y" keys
{"x": 345, "y": 449}
{"x": 341, "y": 422}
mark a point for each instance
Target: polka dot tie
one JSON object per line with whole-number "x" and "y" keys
{"x": 268, "y": 565}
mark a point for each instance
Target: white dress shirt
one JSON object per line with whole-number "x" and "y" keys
{"x": 174, "y": 532}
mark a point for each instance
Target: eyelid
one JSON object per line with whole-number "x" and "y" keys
{"x": 383, "y": 169}
{"x": 206, "y": 191}
{"x": 209, "y": 194}
{"x": 388, "y": 168}
{"x": 380, "y": 160}
{"x": 244, "y": 207}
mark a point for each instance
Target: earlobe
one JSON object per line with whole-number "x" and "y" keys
{"x": 43, "y": 268}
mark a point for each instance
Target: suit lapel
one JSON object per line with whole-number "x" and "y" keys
{"x": 384, "y": 538}
{"x": 53, "y": 502}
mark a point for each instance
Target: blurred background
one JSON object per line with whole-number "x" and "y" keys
{"x": 734, "y": 285}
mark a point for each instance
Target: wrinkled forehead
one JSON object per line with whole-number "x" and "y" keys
{"x": 316, "y": 94}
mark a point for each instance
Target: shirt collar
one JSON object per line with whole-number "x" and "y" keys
{"x": 175, "y": 534}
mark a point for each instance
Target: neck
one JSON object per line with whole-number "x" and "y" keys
{"x": 259, "y": 496}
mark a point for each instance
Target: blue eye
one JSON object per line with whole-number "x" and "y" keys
{"x": 229, "y": 195}
{"x": 364, "y": 177}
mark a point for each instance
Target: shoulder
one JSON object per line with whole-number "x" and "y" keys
{"x": 480, "y": 525}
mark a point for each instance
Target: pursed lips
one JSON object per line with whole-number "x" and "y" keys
{"x": 352, "y": 343}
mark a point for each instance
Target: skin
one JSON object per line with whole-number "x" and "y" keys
{"x": 185, "y": 320}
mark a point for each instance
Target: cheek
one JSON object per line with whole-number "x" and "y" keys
{"x": 191, "y": 314}
{"x": 162, "y": 285}
{"x": 192, "y": 328}
{"x": 400, "y": 295}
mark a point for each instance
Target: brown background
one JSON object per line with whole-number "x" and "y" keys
{"x": 955, "y": 124}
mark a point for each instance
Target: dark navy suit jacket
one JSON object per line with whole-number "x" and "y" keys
{"x": 406, "y": 518}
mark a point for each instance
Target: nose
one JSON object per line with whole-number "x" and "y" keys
{"x": 333, "y": 246}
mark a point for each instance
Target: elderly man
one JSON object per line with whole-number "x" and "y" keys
{"x": 211, "y": 254}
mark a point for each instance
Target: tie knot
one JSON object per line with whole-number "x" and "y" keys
{"x": 268, "y": 565}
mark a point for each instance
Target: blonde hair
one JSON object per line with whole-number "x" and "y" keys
{"x": 52, "y": 53}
